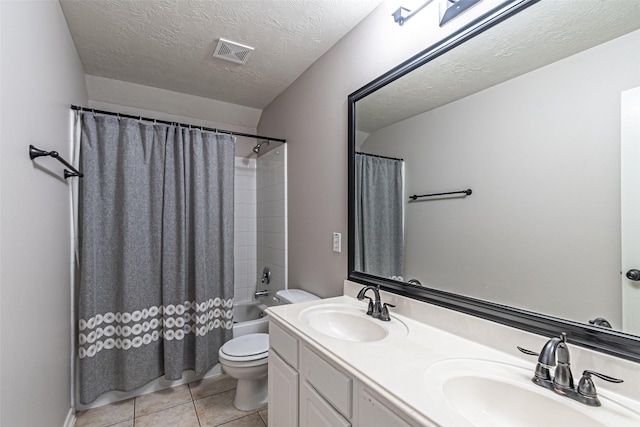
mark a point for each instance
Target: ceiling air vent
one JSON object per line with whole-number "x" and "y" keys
{"x": 231, "y": 51}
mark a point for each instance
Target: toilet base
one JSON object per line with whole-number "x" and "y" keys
{"x": 251, "y": 394}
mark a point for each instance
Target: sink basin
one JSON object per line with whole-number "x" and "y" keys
{"x": 349, "y": 323}
{"x": 486, "y": 393}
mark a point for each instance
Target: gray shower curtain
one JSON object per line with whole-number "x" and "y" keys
{"x": 379, "y": 241}
{"x": 156, "y": 252}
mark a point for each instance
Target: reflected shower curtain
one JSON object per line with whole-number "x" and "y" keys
{"x": 379, "y": 242}
{"x": 156, "y": 252}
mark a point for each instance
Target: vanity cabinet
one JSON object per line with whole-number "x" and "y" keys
{"x": 317, "y": 412}
{"x": 373, "y": 413}
{"x": 307, "y": 390}
{"x": 283, "y": 392}
{"x": 283, "y": 378}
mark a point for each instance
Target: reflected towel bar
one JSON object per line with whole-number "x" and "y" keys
{"x": 466, "y": 192}
{"x": 36, "y": 152}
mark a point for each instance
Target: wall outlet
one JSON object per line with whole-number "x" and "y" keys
{"x": 337, "y": 242}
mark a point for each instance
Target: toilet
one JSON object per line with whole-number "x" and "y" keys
{"x": 246, "y": 358}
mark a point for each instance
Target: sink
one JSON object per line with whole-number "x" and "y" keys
{"x": 486, "y": 393}
{"x": 349, "y": 323}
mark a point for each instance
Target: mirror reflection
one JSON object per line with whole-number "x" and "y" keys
{"x": 530, "y": 116}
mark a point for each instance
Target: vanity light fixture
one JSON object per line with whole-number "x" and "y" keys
{"x": 402, "y": 10}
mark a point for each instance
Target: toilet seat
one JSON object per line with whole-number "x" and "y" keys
{"x": 247, "y": 348}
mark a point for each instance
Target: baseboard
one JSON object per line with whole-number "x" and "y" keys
{"x": 71, "y": 419}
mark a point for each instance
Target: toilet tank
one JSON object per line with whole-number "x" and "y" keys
{"x": 294, "y": 296}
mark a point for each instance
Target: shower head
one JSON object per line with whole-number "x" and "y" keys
{"x": 256, "y": 149}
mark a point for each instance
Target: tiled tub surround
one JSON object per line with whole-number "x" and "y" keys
{"x": 245, "y": 228}
{"x": 395, "y": 368}
{"x": 207, "y": 402}
{"x": 271, "y": 196}
{"x": 260, "y": 222}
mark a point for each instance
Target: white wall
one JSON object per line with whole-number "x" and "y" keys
{"x": 41, "y": 77}
{"x": 312, "y": 115}
{"x": 162, "y": 101}
{"x": 542, "y": 155}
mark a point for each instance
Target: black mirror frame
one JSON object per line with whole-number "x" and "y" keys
{"x": 603, "y": 340}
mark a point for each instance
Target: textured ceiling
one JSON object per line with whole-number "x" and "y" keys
{"x": 169, "y": 43}
{"x": 544, "y": 33}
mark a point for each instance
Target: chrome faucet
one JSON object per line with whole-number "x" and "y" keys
{"x": 556, "y": 353}
{"x": 264, "y": 293}
{"x": 266, "y": 276}
{"x": 376, "y": 309}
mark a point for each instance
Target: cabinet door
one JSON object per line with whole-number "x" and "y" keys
{"x": 373, "y": 413}
{"x": 283, "y": 392}
{"x": 315, "y": 411}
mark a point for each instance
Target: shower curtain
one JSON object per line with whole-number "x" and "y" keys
{"x": 156, "y": 252}
{"x": 379, "y": 242}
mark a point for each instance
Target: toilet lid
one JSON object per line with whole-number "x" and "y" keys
{"x": 247, "y": 346}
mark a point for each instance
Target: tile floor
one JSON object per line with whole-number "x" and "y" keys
{"x": 204, "y": 403}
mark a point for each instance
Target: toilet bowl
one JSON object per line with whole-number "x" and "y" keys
{"x": 246, "y": 359}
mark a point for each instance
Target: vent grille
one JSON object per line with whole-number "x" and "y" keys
{"x": 231, "y": 51}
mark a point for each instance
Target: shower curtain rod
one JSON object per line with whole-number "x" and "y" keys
{"x": 379, "y": 156}
{"x": 166, "y": 122}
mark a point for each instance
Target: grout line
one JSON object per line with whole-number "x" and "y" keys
{"x": 172, "y": 405}
{"x": 193, "y": 402}
{"x": 196, "y": 411}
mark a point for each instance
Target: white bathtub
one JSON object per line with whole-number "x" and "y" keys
{"x": 249, "y": 318}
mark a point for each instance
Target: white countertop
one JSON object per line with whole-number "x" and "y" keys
{"x": 395, "y": 366}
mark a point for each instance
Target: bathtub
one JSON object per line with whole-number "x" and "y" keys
{"x": 249, "y": 318}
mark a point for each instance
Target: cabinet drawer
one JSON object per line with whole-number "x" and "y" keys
{"x": 315, "y": 412}
{"x": 332, "y": 384}
{"x": 284, "y": 344}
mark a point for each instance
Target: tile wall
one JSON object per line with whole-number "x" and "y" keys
{"x": 272, "y": 218}
{"x": 260, "y": 222}
{"x": 245, "y": 228}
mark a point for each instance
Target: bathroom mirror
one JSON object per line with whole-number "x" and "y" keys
{"x": 524, "y": 108}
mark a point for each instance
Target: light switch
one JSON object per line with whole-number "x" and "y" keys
{"x": 337, "y": 242}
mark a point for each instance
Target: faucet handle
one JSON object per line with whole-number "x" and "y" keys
{"x": 384, "y": 314}
{"x": 587, "y": 389}
{"x": 586, "y": 386}
{"x": 542, "y": 372}
{"x": 528, "y": 352}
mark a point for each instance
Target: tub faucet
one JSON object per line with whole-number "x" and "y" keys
{"x": 376, "y": 310}
{"x": 264, "y": 293}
